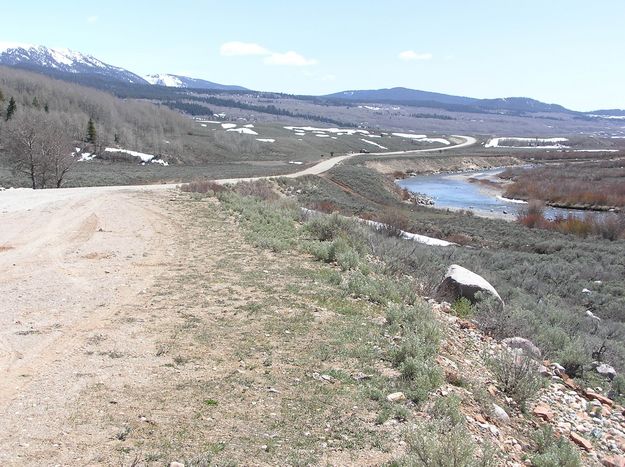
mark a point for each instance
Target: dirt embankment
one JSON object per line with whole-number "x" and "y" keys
{"x": 433, "y": 164}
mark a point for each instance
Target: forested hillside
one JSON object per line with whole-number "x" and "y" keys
{"x": 133, "y": 124}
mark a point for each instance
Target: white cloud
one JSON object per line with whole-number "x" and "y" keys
{"x": 92, "y": 19}
{"x": 409, "y": 55}
{"x": 289, "y": 58}
{"x": 230, "y": 49}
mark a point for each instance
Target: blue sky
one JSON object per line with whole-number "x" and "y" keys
{"x": 570, "y": 52}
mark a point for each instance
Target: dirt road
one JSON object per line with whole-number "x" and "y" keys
{"x": 70, "y": 260}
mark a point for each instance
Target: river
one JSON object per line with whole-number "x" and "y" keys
{"x": 454, "y": 191}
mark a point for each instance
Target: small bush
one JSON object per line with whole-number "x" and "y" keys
{"x": 203, "y": 186}
{"x": 462, "y": 308}
{"x": 261, "y": 189}
{"x": 394, "y": 223}
{"x": 381, "y": 289}
{"x": 516, "y": 375}
{"x": 553, "y": 451}
{"x": 573, "y": 358}
{"x": 445, "y": 441}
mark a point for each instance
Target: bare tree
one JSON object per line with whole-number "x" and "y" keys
{"x": 39, "y": 146}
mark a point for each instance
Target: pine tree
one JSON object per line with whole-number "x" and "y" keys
{"x": 1, "y": 96}
{"x": 46, "y": 107}
{"x": 91, "y": 132}
{"x": 11, "y": 108}
{"x": 36, "y": 102}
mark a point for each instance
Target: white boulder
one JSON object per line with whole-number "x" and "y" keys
{"x": 460, "y": 282}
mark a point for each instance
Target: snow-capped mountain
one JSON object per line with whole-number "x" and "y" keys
{"x": 40, "y": 58}
{"x": 177, "y": 81}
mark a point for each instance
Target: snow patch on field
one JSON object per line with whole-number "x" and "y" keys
{"x": 227, "y": 126}
{"x": 266, "y": 140}
{"x": 373, "y": 143}
{"x": 543, "y": 143}
{"x": 335, "y": 131}
{"x": 322, "y": 135}
{"x": 409, "y": 135}
{"x": 435, "y": 140}
{"x": 242, "y": 131}
{"x": 141, "y": 155}
{"x": 595, "y": 150}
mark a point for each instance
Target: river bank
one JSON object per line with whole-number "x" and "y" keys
{"x": 478, "y": 191}
{"x": 435, "y": 164}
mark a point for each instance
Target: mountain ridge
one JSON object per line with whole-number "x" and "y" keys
{"x": 179, "y": 81}
{"x": 70, "y": 65}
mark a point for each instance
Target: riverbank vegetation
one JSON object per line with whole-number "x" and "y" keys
{"x": 596, "y": 185}
{"x": 610, "y": 226}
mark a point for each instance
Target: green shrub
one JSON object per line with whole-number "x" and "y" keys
{"x": 516, "y": 375}
{"x": 553, "y": 451}
{"x": 381, "y": 289}
{"x": 445, "y": 441}
{"x": 573, "y": 358}
{"x": 462, "y": 308}
{"x": 267, "y": 225}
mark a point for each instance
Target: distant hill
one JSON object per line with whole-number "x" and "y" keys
{"x": 609, "y": 112}
{"x": 401, "y": 95}
{"x": 408, "y": 96}
{"x": 177, "y": 81}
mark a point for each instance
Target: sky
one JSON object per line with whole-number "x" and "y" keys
{"x": 569, "y": 52}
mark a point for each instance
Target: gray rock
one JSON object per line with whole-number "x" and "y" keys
{"x": 460, "y": 282}
{"x": 606, "y": 370}
{"x": 396, "y": 397}
{"x": 500, "y": 413}
{"x": 526, "y": 346}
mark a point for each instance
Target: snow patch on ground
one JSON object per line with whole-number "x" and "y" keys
{"x": 226, "y": 126}
{"x": 141, "y": 155}
{"x": 242, "y": 131}
{"x": 373, "y": 143}
{"x": 543, "y": 143}
{"x": 435, "y": 140}
{"x": 595, "y": 150}
{"x": 511, "y": 200}
{"x": 336, "y": 131}
{"x": 266, "y": 140}
{"x": 409, "y": 135}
